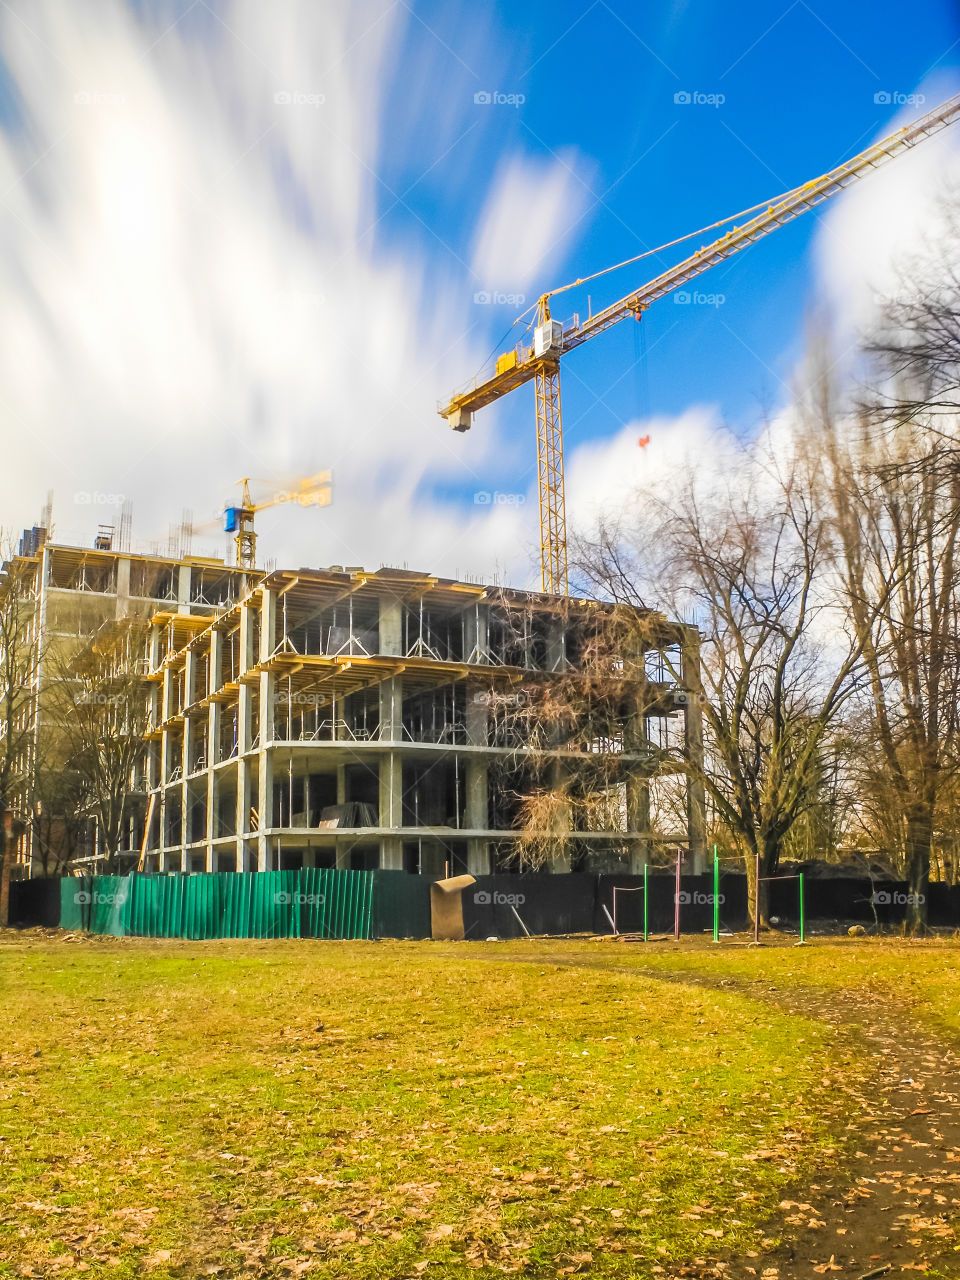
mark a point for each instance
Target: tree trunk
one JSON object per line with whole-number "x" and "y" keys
{"x": 4, "y": 875}
{"x": 769, "y": 863}
{"x": 757, "y": 900}
{"x": 919, "y": 828}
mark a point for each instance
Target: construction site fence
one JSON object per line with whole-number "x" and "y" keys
{"x": 314, "y": 903}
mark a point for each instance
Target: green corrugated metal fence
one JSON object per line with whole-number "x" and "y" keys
{"x": 401, "y": 905}
{"x": 312, "y": 903}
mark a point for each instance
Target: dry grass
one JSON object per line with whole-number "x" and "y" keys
{"x": 391, "y": 1110}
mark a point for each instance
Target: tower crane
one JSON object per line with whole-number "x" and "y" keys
{"x": 540, "y": 363}
{"x": 311, "y": 491}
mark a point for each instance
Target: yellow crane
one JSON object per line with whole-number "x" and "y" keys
{"x": 310, "y": 491}
{"x": 540, "y": 362}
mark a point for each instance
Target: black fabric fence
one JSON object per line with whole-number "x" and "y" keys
{"x": 397, "y": 904}
{"x": 544, "y": 903}
{"x": 35, "y": 903}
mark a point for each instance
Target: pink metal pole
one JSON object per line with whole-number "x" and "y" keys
{"x": 615, "y": 912}
{"x": 756, "y": 906}
{"x": 676, "y": 899}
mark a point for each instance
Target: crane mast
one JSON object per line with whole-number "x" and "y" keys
{"x": 311, "y": 491}
{"x": 540, "y": 363}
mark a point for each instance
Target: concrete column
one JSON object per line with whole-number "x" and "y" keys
{"x": 187, "y": 747}
{"x": 172, "y": 855}
{"x": 391, "y": 627}
{"x": 265, "y": 809}
{"x": 246, "y": 850}
{"x": 155, "y": 646}
{"x": 153, "y": 756}
{"x": 391, "y": 763}
{"x": 391, "y": 853}
{"x": 213, "y": 741}
{"x": 476, "y": 633}
{"x": 183, "y": 589}
{"x": 166, "y": 696}
{"x": 164, "y": 755}
{"x": 244, "y": 719}
{"x": 391, "y": 709}
{"x": 211, "y": 819}
{"x": 245, "y": 655}
{"x": 693, "y": 745}
{"x": 391, "y": 790}
{"x": 162, "y": 814}
{"x": 123, "y": 587}
{"x": 556, "y": 644}
{"x": 215, "y": 661}
{"x": 189, "y": 677}
{"x": 477, "y": 815}
{"x": 184, "y": 820}
{"x": 478, "y": 857}
{"x": 268, "y": 623}
{"x": 266, "y": 710}
{"x": 477, "y": 717}
{"x": 265, "y": 727}
{"x": 391, "y": 809}
{"x": 244, "y": 858}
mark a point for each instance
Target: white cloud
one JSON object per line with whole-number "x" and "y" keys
{"x": 529, "y": 216}
{"x": 868, "y": 234}
{"x": 604, "y": 478}
{"x": 192, "y": 288}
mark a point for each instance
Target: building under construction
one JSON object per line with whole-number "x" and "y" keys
{"x": 396, "y": 720}
{"x": 387, "y": 719}
{"x": 72, "y": 592}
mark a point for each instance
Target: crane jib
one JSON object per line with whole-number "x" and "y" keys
{"x": 552, "y": 341}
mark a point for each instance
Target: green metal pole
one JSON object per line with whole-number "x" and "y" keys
{"x": 716, "y": 896}
{"x": 371, "y": 885}
{"x": 802, "y": 913}
{"x": 646, "y": 914}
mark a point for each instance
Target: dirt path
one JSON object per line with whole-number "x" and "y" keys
{"x": 890, "y": 1210}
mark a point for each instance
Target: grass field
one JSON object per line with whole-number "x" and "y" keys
{"x": 406, "y": 1109}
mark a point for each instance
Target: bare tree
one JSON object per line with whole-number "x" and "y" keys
{"x": 19, "y": 656}
{"x": 917, "y": 344}
{"x": 58, "y": 805}
{"x": 96, "y": 705}
{"x": 895, "y": 496}
{"x": 823, "y": 828}
{"x": 747, "y": 559}
{"x": 576, "y": 733}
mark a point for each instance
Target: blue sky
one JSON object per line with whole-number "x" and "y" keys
{"x": 799, "y": 85}
{"x": 248, "y": 239}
